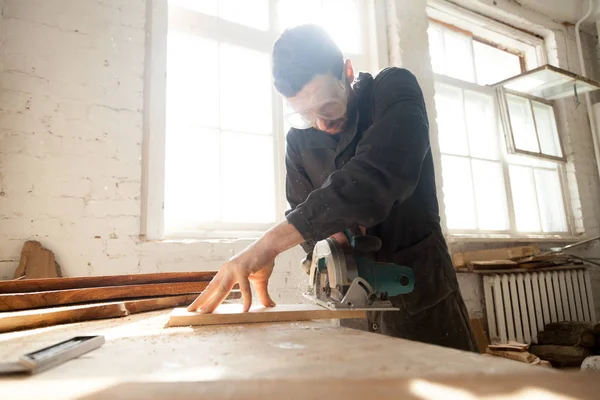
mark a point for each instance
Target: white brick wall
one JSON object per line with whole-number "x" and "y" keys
{"x": 71, "y": 99}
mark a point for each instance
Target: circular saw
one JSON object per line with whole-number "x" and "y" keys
{"x": 342, "y": 277}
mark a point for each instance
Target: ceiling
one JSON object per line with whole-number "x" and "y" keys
{"x": 562, "y": 10}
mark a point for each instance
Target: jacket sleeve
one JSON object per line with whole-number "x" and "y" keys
{"x": 385, "y": 169}
{"x": 297, "y": 184}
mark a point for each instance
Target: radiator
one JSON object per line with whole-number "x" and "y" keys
{"x": 520, "y": 304}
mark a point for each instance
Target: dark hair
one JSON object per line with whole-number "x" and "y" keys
{"x": 302, "y": 52}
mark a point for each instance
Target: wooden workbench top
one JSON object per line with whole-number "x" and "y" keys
{"x": 140, "y": 349}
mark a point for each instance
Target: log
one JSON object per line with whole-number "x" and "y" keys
{"x": 36, "y": 262}
{"x": 39, "y": 285}
{"x": 232, "y": 314}
{"x": 561, "y": 356}
{"x": 564, "y": 338}
{"x": 24, "y": 301}
{"x": 30, "y": 319}
{"x": 568, "y": 334}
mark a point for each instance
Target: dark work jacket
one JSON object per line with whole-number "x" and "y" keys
{"x": 379, "y": 174}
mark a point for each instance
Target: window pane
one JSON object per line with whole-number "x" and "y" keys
{"x": 436, "y": 49}
{"x": 481, "y": 125}
{"x": 459, "y": 56}
{"x": 245, "y": 83}
{"x": 192, "y": 85}
{"x": 248, "y": 178}
{"x": 550, "y": 200}
{"x": 293, "y": 12}
{"x": 458, "y": 193}
{"x": 546, "y": 129}
{"x": 341, "y": 18}
{"x": 524, "y": 199}
{"x": 254, "y": 14}
{"x": 521, "y": 121}
{"x": 208, "y": 7}
{"x": 192, "y": 185}
{"x": 451, "y": 120}
{"x": 494, "y": 65}
{"x": 490, "y": 195}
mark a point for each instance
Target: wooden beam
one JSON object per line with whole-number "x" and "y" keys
{"x": 39, "y": 285}
{"x": 24, "y": 301}
{"x": 232, "y": 314}
{"x": 30, "y": 319}
{"x": 511, "y": 253}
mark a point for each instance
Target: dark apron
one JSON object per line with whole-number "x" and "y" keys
{"x": 434, "y": 312}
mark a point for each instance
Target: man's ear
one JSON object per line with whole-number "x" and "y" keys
{"x": 349, "y": 70}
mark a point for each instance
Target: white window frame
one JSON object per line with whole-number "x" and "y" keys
{"x": 508, "y": 128}
{"x": 533, "y": 50}
{"x": 155, "y": 83}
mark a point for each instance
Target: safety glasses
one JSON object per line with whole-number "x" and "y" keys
{"x": 328, "y": 100}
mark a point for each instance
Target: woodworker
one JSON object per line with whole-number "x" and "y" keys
{"x": 358, "y": 155}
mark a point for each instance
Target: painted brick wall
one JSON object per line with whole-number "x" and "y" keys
{"x": 71, "y": 77}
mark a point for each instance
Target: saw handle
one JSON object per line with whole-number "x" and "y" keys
{"x": 362, "y": 243}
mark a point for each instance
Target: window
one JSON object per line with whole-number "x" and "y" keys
{"x": 488, "y": 189}
{"x": 222, "y": 128}
{"x": 532, "y": 126}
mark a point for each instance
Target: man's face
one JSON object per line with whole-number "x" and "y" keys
{"x": 322, "y": 103}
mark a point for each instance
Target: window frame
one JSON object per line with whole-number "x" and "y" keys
{"x": 451, "y": 16}
{"x": 158, "y": 18}
{"x": 501, "y": 93}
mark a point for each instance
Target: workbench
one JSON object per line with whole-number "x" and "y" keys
{"x": 311, "y": 359}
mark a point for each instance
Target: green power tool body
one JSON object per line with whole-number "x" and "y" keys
{"x": 348, "y": 277}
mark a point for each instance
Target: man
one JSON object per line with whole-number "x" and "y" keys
{"x": 359, "y": 156}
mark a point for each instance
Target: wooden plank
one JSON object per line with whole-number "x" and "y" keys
{"x": 481, "y": 336}
{"x": 36, "y": 262}
{"x": 232, "y": 314}
{"x": 461, "y": 259}
{"x": 491, "y": 265}
{"x": 522, "y": 356}
{"x": 537, "y": 384}
{"x": 24, "y": 301}
{"x": 30, "y": 319}
{"x": 39, "y": 285}
{"x": 512, "y": 346}
{"x": 525, "y": 270}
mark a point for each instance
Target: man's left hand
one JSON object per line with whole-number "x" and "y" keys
{"x": 237, "y": 270}
{"x": 255, "y": 264}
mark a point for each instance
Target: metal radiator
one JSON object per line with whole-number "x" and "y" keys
{"x": 518, "y": 305}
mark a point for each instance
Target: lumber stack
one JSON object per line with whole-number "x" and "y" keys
{"x": 33, "y": 303}
{"x": 516, "y": 351}
{"x": 511, "y": 258}
{"x": 567, "y": 344}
